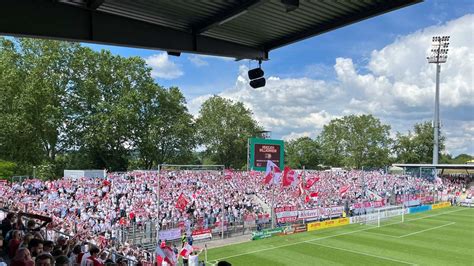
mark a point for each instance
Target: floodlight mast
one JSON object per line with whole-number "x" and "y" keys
{"x": 438, "y": 55}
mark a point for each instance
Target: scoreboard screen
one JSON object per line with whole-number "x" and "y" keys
{"x": 263, "y": 150}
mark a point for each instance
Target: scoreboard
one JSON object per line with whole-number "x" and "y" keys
{"x": 262, "y": 150}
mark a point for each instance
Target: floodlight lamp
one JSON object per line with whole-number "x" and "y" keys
{"x": 256, "y": 73}
{"x": 258, "y": 83}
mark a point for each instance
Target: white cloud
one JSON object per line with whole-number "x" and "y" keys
{"x": 397, "y": 85}
{"x": 162, "y": 67}
{"x": 197, "y": 61}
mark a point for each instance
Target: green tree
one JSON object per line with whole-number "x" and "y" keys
{"x": 34, "y": 77}
{"x": 356, "y": 141}
{"x": 223, "y": 129}
{"x": 104, "y": 103}
{"x": 417, "y": 147}
{"x": 66, "y": 106}
{"x": 303, "y": 152}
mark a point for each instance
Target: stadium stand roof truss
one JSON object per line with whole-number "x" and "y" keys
{"x": 245, "y": 29}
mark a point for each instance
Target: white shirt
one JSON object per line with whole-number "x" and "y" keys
{"x": 84, "y": 258}
{"x": 193, "y": 260}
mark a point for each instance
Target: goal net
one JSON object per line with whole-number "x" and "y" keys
{"x": 386, "y": 215}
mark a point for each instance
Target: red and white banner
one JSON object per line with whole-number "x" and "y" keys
{"x": 202, "y": 234}
{"x": 292, "y": 214}
{"x": 371, "y": 204}
{"x": 286, "y": 214}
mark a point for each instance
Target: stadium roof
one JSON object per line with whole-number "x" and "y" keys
{"x": 437, "y": 166}
{"x": 245, "y": 29}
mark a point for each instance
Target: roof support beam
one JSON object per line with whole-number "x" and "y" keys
{"x": 227, "y": 15}
{"x": 45, "y": 19}
{"x": 379, "y": 9}
{"x": 94, "y": 4}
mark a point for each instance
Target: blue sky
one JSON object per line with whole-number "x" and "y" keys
{"x": 338, "y": 63}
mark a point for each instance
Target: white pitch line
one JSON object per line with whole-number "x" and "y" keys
{"x": 380, "y": 234}
{"x": 363, "y": 253}
{"x": 429, "y": 229}
{"x": 331, "y": 236}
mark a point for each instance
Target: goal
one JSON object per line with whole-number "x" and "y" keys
{"x": 385, "y": 215}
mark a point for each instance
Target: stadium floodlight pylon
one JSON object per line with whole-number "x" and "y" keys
{"x": 438, "y": 55}
{"x": 189, "y": 167}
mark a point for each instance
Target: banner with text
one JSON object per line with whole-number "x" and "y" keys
{"x": 290, "y": 214}
{"x": 171, "y": 234}
{"x": 202, "y": 234}
{"x": 328, "y": 224}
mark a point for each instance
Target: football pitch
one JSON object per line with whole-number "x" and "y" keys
{"x": 437, "y": 237}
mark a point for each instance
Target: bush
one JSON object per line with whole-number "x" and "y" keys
{"x": 46, "y": 171}
{"x": 7, "y": 169}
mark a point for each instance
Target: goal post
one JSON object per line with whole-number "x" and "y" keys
{"x": 188, "y": 167}
{"x": 389, "y": 214}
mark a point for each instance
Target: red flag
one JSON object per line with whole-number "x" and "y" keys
{"x": 165, "y": 253}
{"x": 187, "y": 249}
{"x": 310, "y": 182}
{"x": 182, "y": 202}
{"x": 228, "y": 173}
{"x": 311, "y": 196}
{"x": 343, "y": 190}
{"x": 288, "y": 177}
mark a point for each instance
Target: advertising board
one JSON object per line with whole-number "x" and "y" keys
{"x": 328, "y": 224}
{"x": 418, "y": 209}
{"x": 441, "y": 205}
{"x": 266, "y": 233}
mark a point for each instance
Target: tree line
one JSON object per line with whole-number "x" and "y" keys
{"x": 66, "y": 106}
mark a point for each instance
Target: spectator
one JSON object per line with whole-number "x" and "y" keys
{"x": 62, "y": 261}
{"x": 22, "y": 258}
{"x": 14, "y": 243}
{"x": 194, "y": 258}
{"x": 36, "y": 247}
{"x": 93, "y": 259}
{"x": 7, "y": 224}
{"x": 44, "y": 260}
{"x": 48, "y": 246}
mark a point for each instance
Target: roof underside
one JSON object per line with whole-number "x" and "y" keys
{"x": 240, "y": 29}
{"x": 437, "y": 166}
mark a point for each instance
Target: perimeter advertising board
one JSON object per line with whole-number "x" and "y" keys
{"x": 262, "y": 150}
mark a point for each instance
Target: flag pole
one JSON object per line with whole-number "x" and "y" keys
{"x": 223, "y": 207}
{"x": 273, "y": 205}
{"x": 158, "y": 206}
{"x": 273, "y": 198}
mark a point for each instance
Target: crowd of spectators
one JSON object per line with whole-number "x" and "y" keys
{"x": 87, "y": 213}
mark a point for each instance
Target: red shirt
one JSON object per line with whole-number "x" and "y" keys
{"x": 13, "y": 247}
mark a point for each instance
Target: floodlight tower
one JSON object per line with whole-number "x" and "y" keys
{"x": 439, "y": 55}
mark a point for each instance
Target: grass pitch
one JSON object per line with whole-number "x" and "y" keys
{"x": 437, "y": 237}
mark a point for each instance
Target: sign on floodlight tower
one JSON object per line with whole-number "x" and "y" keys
{"x": 439, "y": 55}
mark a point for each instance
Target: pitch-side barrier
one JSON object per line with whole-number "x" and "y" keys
{"x": 383, "y": 213}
